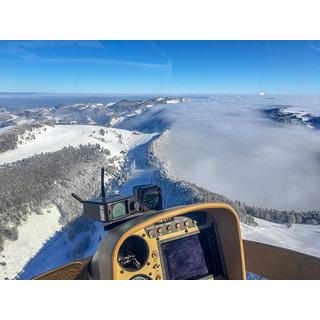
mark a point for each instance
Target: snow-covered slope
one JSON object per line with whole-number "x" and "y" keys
{"x": 6, "y": 117}
{"x": 53, "y": 138}
{"x": 293, "y": 115}
{"x": 33, "y": 234}
{"x": 60, "y": 250}
{"x": 299, "y": 237}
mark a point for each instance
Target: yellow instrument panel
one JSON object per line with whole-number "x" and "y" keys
{"x": 200, "y": 241}
{"x": 153, "y": 268}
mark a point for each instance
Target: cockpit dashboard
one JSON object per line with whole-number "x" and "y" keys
{"x": 199, "y": 241}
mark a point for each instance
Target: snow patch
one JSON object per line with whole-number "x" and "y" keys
{"x": 32, "y": 235}
{"x": 300, "y": 237}
{"x": 173, "y": 101}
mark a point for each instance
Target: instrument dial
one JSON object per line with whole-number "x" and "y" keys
{"x": 118, "y": 210}
{"x": 151, "y": 199}
{"x": 133, "y": 253}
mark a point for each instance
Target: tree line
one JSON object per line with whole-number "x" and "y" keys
{"x": 9, "y": 139}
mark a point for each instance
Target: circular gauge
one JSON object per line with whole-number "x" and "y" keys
{"x": 118, "y": 210}
{"x": 133, "y": 253}
{"x": 151, "y": 199}
{"x": 140, "y": 277}
{"x": 135, "y": 205}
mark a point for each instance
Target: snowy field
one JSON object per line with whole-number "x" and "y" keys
{"x": 300, "y": 237}
{"x": 33, "y": 234}
{"x": 49, "y": 139}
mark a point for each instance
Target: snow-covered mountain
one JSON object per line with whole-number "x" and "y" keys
{"x": 292, "y": 115}
{"x": 6, "y": 118}
{"x": 83, "y": 113}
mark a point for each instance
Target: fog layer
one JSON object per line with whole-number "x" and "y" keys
{"x": 227, "y": 145}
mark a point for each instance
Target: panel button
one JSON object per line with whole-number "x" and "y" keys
{"x": 160, "y": 229}
{"x": 154, "y": 255}
{"x": 178, "y": 225}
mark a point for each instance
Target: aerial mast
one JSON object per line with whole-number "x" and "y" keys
{"x": 103, "y": 191}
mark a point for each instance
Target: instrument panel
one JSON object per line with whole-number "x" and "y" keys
{"x": 180, "y": 248}
{"x": 199, "y": 241}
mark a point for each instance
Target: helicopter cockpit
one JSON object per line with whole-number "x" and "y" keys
{"x": 194, "y": 242}
{"x": 197, "y": 241}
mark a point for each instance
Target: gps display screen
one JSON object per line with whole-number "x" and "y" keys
{"x": 192, "y": 257}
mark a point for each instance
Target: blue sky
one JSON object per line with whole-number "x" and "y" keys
{"x": 160, "y": 66}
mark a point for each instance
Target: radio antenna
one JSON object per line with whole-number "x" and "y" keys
{"x": 77, "y": 197}
{"x": 103, "y": 191}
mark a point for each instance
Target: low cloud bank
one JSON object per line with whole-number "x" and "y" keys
{"x": 227, "y": 145}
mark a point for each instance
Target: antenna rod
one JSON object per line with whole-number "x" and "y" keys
{"x": 77, "y": 197}
{"x": 103, "y": 191}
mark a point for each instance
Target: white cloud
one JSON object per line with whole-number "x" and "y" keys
{"x": 228, "y": 146}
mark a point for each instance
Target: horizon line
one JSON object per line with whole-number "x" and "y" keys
{"x": 155, "y": 93}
